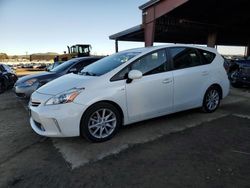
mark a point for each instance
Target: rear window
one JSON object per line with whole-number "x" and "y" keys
{"x": 209, "y": 56}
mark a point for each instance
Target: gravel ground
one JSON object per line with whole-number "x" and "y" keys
{"x": 214, "y": 153}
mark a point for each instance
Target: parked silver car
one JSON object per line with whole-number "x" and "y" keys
{"x": 26, "y": 85}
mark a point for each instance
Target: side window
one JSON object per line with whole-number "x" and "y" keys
{"x": 80, "y": 50}
{"x": 209, "y": 56}
{"x": 151, "y": 64}
{"x": 123, "y": 74}
{"x": 185, "y": 57}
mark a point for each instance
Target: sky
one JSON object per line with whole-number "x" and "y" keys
{"x": 33, "y": 26}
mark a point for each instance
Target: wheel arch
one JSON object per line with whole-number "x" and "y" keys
{"x": 219, "y": 87}
{"x": 104, "y": 101}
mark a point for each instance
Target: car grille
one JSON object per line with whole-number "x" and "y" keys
{"x": 35, "y": 104}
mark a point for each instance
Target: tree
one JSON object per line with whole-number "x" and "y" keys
{"x": 3, "y": 56}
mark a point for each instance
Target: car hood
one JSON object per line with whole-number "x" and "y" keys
{"x": 64, "y": 83}
{"x": 39, "y": 76}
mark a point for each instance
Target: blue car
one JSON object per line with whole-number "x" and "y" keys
{"x": 239, "y": 73}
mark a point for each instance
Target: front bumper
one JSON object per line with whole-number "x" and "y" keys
{"x": 25, "y": 91}
{"x": 57, "y": 120}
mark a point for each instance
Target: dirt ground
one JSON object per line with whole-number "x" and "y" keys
{"x": 188, "y": 149}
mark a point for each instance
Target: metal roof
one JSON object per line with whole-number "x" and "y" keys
{"x": 131, "y": 30}
{"x": 192, "y": 21}
{"x": 148, "y": 4}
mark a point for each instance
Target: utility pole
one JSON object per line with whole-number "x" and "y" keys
{"x": 26, "y": 57}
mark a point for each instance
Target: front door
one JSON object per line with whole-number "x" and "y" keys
{"x": 152, "y": 95}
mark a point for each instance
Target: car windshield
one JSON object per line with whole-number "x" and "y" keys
{"x": 108, "y": 63}
{"x": 64, "y": 66}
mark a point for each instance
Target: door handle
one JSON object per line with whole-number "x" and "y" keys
{"x": 205, "y": 73}
{"x": 167, "y": 81}
{"x": 122, "y": 89}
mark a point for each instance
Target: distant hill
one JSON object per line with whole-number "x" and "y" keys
{"x": 48, "y": 53}
{"x": 43, "y": 56}
{"x": 36, "y": 56}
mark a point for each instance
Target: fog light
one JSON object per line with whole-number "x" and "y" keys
{"x": 42, "y": 128}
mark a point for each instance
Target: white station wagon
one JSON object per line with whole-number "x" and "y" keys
{"x": 128, "y": 87}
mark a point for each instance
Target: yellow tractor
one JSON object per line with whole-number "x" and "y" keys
{"x": 78, "y": 50}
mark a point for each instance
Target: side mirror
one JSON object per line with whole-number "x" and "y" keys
{"x": 134, "y": 74}
{"x": 72, "y": 70}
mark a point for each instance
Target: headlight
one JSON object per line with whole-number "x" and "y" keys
{"x": 30, "y": 82}
{"x": 65, "y": 97}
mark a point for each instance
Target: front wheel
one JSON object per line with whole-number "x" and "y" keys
{"x": 100, "y": 122}
{"x": 211, "y": 99}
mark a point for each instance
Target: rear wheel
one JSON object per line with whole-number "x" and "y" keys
{"x": 100, "y": 122}
{"x": 211, "y": 99}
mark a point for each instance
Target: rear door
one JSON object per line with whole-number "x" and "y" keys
{"x": 190, "y": 74}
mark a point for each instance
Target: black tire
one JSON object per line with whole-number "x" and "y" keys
{"x": 90, "y": 115}
{"x": 2, "y": 87}
{"x": 206, "y": 107}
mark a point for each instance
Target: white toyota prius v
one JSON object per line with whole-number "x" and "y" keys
{"x": 128, "y": 87}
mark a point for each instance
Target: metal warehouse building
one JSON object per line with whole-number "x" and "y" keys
{"x": 211, "y": 22}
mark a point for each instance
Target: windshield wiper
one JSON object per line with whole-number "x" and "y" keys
{"x": 88, "y": 74}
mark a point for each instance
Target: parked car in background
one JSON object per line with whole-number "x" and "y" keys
{"x": 40, "y": 66}
{"x": 26, "y": 85}
{"x": 128, "y": 87}
{"x": 12, "y": 67}
{"x": 239, "y": 73}
{"x": 7, "y": 77}
{"x": 27, "y": 66}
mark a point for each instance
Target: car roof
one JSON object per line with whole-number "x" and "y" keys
{"x": 88, "y": 57}
{"x": 152, "y": 48}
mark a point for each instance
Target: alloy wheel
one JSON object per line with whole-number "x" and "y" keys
{"x": 102, "y": 123}
{"x": 212, "y": 99}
